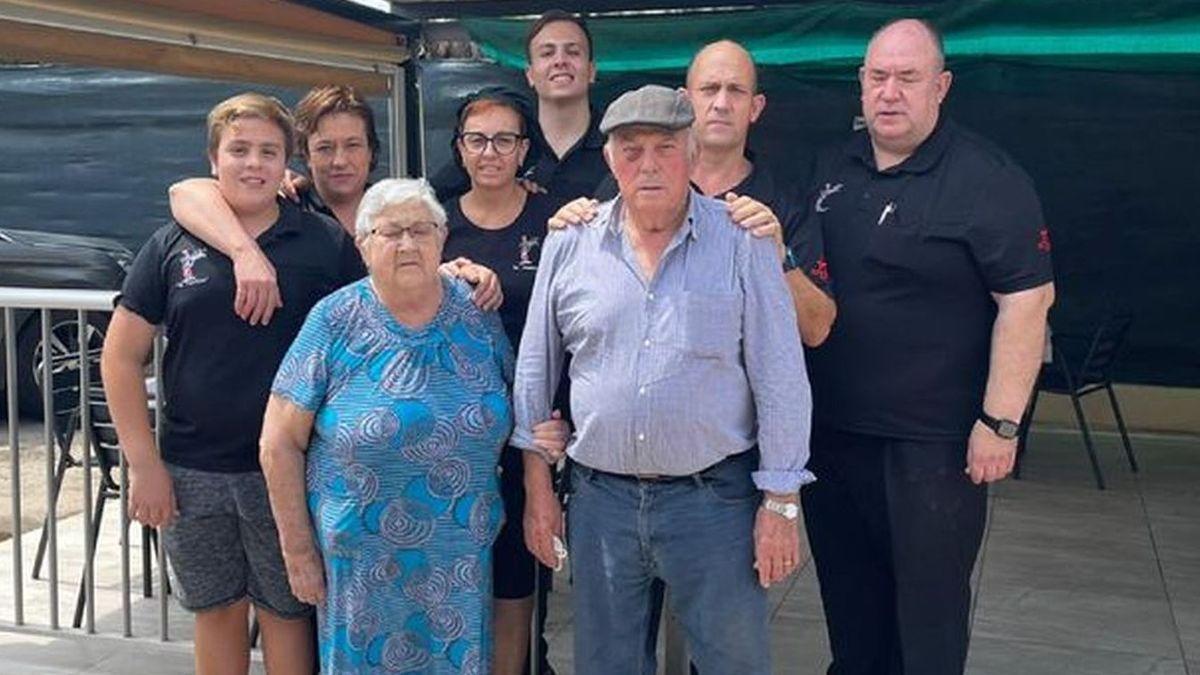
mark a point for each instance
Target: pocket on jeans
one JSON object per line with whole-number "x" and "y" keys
{"x": 730, "y": 488}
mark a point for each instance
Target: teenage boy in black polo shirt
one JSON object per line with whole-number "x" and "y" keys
{"x": 336, "y": 138}
{"x": 941, "y": 257}
{"x": 204, "y": 483}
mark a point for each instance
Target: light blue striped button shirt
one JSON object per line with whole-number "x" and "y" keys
{"x": 672, "y": 375}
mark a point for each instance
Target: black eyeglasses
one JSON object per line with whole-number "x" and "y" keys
{"x": 504, "y": 142}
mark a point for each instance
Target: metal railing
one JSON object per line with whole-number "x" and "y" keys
{"x": 43, "y": 305}
{"x": 57, "y": 363}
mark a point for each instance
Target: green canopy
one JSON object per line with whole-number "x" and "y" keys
{"x": 829, "y": 37}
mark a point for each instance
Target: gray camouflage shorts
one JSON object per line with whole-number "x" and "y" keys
{"x": 224, "y": 546}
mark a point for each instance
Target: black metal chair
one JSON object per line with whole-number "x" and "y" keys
{"x": 1082, "y": 365}
{"x": 107, "y": 451}
{"x": 64, "y": 379}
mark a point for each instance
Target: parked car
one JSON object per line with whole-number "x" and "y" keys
{"x": 48, "y": 260}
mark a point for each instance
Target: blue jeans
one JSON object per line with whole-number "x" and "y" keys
{"x": 696, "y": 534}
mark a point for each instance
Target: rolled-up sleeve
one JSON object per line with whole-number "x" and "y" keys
{"x": 775, "y": 369}
{"x": 540, "y": 359}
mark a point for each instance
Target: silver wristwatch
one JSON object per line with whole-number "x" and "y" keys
{"x": 788, "y": 510}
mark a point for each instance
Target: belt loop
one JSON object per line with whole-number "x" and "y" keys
{"x": 697, "y": 479}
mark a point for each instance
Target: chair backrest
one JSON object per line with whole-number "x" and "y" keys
{"x": 64, "y": 392}
{"x": 1106, "y": 346}
{"x": 104, "y": 434}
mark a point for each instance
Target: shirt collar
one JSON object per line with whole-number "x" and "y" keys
{"x": 687, "y": 229}
{"x": 593, "y": 139}
{"x": 744, "y": 185}
{"x": 310, "y": 200}
{"x": 922, "y": 160}
{"x": 288, "y": 222}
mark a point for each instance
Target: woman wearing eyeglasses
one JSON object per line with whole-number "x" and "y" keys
{"x": 385, "y": 423}
{"x": 499, "y": 224}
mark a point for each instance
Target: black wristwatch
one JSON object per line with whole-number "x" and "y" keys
{"x": 789, "y": 260}
{"x": 1006, "y": 429}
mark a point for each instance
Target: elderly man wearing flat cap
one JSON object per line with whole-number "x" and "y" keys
{"x": 690, "y": 400}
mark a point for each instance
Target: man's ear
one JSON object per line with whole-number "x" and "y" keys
{"x": 212, "y": 164}
{"x": 529, "y": 76}
{"x": 944, "y": 79}
{"x": 758, "y": 103}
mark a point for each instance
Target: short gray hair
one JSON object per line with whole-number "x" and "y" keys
{"x": 392, "y": 191}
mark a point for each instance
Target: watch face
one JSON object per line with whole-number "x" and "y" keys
{"x": 786, "y": 509}
{"x": 1007, "y": 429}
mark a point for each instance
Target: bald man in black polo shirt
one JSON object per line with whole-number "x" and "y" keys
{"x": 722, "y": 84}
{"x": 936, "y": 240}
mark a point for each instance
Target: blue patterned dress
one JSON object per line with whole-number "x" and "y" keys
{"x": 401, "y": 478}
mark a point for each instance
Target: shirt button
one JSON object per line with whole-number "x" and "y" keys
{"x": 641, "y": 391}
{"x": 646, "y": 343}
{"x": 641, "y": 437}
{"x": 650, "y": 295}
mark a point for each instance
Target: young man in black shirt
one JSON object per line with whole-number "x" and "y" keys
{"x": 941, "y": 257}
{"x": 566, "y": 149}
{"x": 204, "y": 484}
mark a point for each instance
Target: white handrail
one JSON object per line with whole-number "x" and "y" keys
{"x": 57, "y": 298}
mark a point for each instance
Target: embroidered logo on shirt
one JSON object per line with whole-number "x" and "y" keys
{"x": 187, "y": 267}
{"x": 1043, "y": 240}
{"x": 820, "y": 270}
{"x": 826, "y": 191}
{"x": 525, "y": 248}
{"x": 888, "y": 210}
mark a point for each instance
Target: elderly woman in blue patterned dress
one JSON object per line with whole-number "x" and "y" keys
{"x": 388, "y": 414}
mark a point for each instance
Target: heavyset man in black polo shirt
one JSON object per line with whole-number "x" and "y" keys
{"x": 937, "y": 243}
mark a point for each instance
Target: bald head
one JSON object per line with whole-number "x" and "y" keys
{"x": 913, "y": 31}
{"x": 724, "y": 51}
{"x": 723, "y": 87}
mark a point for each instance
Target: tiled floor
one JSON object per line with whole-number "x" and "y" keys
{"x": 1070, "y": 580}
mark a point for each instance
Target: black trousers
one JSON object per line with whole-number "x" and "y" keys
{"x": 895, "y": 527}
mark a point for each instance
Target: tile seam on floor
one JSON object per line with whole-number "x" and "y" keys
{"x": 1162, "y": 577}
{"x": 987, "y": 535}
{"x": 1034, "y": 642}
{"x": 795, "y": 576}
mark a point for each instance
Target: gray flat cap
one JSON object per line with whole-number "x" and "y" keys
{"x": 652, "y": 105}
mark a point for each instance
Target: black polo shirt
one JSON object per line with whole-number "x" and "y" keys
{"x": 578, "y": 173}
{"x": 512, "y": 253}
{"x": 311, "y": 201}
{"x": 786, "y": 202}
{"x": 917, "y": 251}
{"x": 217, "y": 369}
